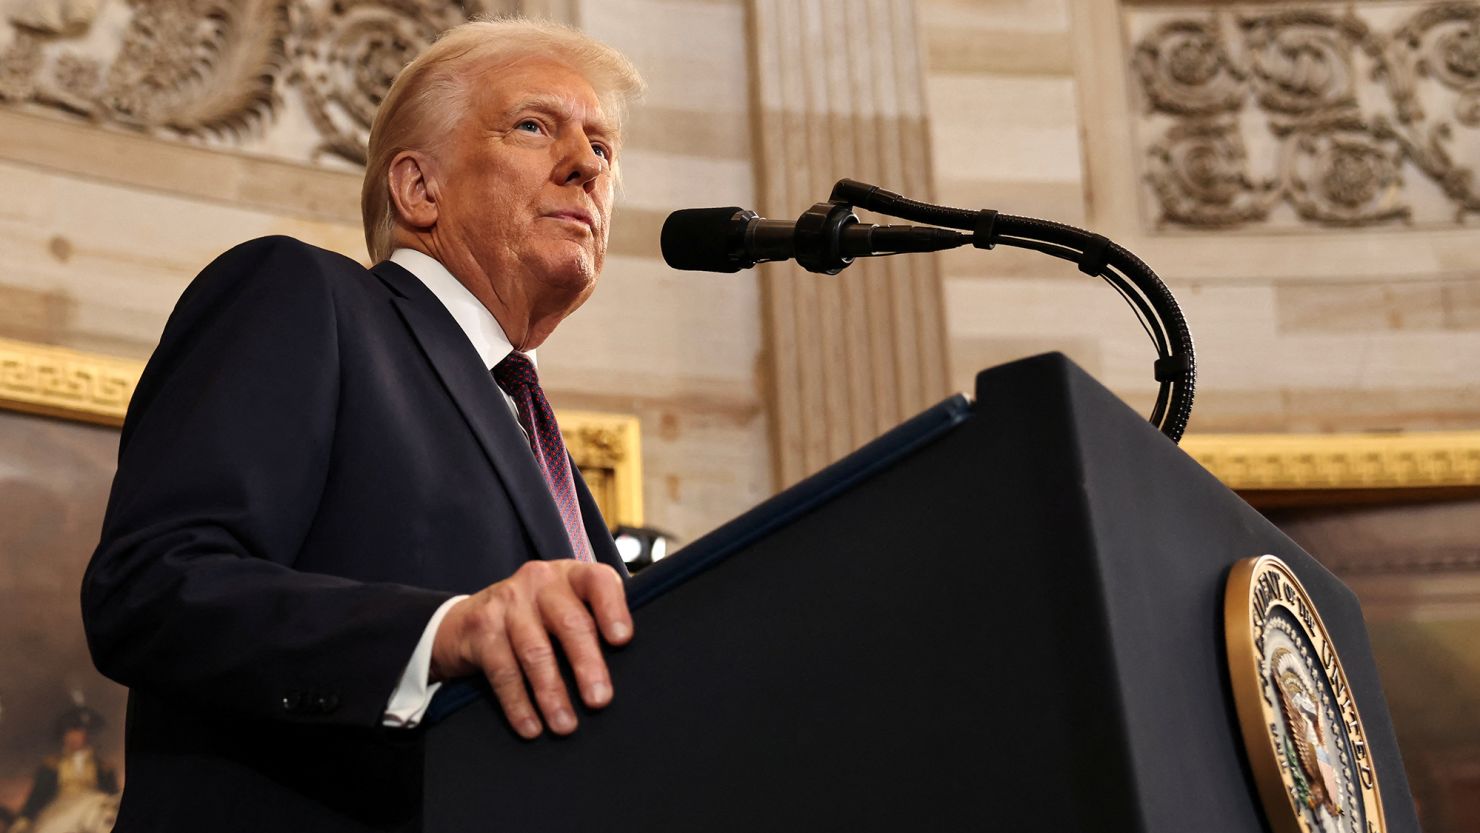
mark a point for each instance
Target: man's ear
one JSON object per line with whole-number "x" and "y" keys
{"x": 414, "y": 189}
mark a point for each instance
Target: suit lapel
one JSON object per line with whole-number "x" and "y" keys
{"x": 473, "y": 390}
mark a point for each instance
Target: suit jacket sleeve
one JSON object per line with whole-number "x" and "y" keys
{"x": 192, "y": 592}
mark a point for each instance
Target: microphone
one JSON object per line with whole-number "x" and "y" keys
{"x": 825, "y": 239}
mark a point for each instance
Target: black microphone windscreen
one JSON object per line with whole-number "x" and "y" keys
{"x": 699, "y": 239}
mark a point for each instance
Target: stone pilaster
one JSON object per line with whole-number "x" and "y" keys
{"x": 840, "y": 92}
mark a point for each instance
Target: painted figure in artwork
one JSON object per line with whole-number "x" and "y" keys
{"x": 75, "y": 791}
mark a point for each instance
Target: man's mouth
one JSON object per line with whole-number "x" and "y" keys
{"x": 575, "y": 215}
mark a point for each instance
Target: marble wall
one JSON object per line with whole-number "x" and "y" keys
{"x": 1342, "y": 298}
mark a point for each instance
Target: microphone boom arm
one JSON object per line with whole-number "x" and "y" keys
{"x": 828, "y": 236}
{"x": 1175, "y": 368}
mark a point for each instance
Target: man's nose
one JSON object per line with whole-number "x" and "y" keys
{"x": 581, "y": 165}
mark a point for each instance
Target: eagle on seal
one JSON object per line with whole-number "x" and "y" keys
{"x": 1304, "y": 728}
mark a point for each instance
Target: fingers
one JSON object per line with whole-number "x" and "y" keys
{"x": 507, "y": 680}
{"x": 568, "y": 620}
{"x": 536, "y": 657}
{"x": 601, "y": 588}
{"x": 512, "y": 632}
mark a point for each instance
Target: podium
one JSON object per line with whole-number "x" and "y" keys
{"x": 1002, "y": 615}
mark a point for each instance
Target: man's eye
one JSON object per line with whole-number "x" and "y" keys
{"x": 530, "y": 125}
{"x": 602, "y": 151}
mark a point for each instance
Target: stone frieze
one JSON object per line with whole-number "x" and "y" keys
{"x": 1328, "y": 115}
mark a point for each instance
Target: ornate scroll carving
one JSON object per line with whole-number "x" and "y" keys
{"x": 1300, "y": 60}
{"x": 1322, "y": 114}
{"x": 348, "y": 54}
{"x": 299, "y": 79}
{"x": 1185, "y": 70}
{"x": 1201, "y": 175}
{"x": 194, "y": 66}
{"x": 1341, "y": 172}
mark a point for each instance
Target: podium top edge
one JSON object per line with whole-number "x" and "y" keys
{"x": 764, "y": 519}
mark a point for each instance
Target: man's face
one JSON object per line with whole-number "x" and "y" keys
{"x": 74, "y": 740}
{"x": 526, "y": 185}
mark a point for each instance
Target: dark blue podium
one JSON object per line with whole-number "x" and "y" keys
{"x": 1002, "y": 615}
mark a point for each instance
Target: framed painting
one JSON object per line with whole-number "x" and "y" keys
{"x": 1397, "y": 517}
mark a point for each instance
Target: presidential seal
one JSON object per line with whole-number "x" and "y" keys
{"x": 1301, "y": 729}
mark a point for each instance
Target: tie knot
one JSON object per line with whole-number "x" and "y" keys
{"x": 516, "y": 371}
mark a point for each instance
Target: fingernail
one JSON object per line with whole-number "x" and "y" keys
{"x": 598, "y": 694}
{"x": 621, "y": 630}
{"x": 563, "y": 721}
{"x": 529, "y": 727}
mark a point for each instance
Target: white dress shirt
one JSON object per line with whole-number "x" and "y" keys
{"x": 408, "y": 703}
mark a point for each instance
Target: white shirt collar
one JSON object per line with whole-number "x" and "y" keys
{"x": 476, "y": 321}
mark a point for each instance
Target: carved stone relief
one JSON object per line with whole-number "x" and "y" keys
{"x": 1333, "y": 115}
{"x": 293, "y": 79}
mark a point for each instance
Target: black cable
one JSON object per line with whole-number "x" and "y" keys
{"x": 1139, "y": 307}
{"x": 1144, "y": 314}
{"x": 1060, "y": 252}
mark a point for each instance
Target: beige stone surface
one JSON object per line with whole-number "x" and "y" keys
{"x": 1299, "y": 329}
{"x": 680, "y": 350}
{"x": 839, "y": 90}
{"x": 116, "y": 256}
{"x": 1008, "y": 128}
{"x": 1461, "y": 302}
{"x": 1028, "y": 108}
{"x": 1367, "y": 308}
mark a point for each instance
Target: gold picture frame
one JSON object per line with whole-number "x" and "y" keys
{"x": 1270, "y": 470}
{"x": 90, "y": 387}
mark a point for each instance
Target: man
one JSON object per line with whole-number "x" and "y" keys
{"x": 72, "y": 790}
{"x": 320, "y": 459}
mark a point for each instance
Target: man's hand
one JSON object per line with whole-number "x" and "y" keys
{"x": 504, "y": 632}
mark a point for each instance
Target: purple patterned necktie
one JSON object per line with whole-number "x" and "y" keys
{"x": 515, "y": 374}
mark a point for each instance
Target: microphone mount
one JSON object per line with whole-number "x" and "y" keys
{"x": 828, "y": 236}
{"x": 825, "y": 239}
{"x": 819, "y": 237}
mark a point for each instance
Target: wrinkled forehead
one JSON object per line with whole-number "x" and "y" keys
{"x": 542, "y": 85}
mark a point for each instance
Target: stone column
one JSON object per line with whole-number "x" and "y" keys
{"x": 840, "y": 92}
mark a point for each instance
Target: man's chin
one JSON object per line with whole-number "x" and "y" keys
{"x": 573, "y": 274}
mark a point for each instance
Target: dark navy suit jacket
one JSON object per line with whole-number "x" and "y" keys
{"x": 314, "y": 460}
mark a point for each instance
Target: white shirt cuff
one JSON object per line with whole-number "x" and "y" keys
{"x": 413, "y": 693}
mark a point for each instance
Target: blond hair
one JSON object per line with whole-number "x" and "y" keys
{"x": 431, "y": 94}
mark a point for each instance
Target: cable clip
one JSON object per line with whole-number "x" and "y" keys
{"x": 1172, "y": 368}
{"x": 1095, "y": 256}
{"x": 986, "y": 225}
